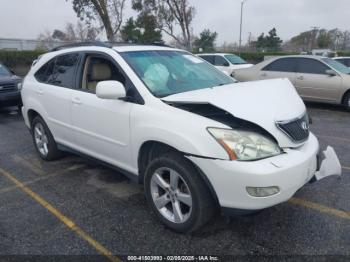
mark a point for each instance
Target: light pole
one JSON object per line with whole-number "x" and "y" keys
{"x": 240, "y": 27}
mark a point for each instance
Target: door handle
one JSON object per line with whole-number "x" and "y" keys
{"x": 300, "y": 77}
{"x": 76, "y": 101}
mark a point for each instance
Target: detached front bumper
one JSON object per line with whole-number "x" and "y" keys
{"x": 289, "y": 172}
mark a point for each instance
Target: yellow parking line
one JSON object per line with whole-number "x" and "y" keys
{"x": 320, "y": 208}
{"x": 41, "y": 178}
{"x": 65, "y": 220}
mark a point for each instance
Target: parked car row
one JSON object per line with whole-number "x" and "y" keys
{"x": 198, "y": 140}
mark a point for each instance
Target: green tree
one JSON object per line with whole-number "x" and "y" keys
{"x": 324, "y": 40}
{"x": 108, "y": 12}
{"x": 130, "y": 32}
{"x": 206, "y": 41}
{"x": 144, "y": 30}
{"x": 171, "y": 16}
{"x": 270, "y": 42}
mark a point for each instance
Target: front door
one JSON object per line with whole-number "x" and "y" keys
{"x": 101, "y": 125}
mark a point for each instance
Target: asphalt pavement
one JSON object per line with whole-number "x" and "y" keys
{"x": 77, "y": 207}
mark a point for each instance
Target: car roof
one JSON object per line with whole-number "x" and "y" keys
{"x": 128, "y": 48}
{"x": 296, "y": 56}
{"x": 220, "y": 54}
{"x": 119, "y": 47}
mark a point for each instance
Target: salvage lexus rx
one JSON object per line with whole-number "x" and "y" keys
{"x": 195, "y": 138}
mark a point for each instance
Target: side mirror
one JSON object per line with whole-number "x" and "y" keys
{"x": 331, "y": 72}
{"x": 226, "y": 64}
{"x": 110, "y": 90}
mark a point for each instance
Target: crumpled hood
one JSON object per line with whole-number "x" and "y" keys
{"x": 260, "y": 102}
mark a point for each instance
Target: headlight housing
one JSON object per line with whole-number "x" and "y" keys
{"x": 245, "y": 145}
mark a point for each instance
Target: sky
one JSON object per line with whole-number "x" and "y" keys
{"x": 28, "y": 18}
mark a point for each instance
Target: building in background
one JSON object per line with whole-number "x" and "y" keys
{"x": 28, "y": 44}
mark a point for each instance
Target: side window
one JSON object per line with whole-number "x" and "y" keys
{"x": 208, "y": 58}
{"x": 311, "y": 66}
{"x": 64, "y": 71}
{"x": 342, "y": 61}
{"x": 347, "y": 62}
{"x": 99, "y": 69}
{"x": 282, "y": 65}
{"x": 43, "y": 74}
{"x": 220, "y": 61}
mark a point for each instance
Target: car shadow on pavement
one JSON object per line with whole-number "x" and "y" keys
{"x": 323, "y": 106}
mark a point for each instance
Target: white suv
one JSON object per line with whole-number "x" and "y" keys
{"x": 195, "y": 138}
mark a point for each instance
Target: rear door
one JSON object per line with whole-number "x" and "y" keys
{"x": 313, "y": 83}
{"x": 56, "y": 82}
{"x": 280, "y": 68}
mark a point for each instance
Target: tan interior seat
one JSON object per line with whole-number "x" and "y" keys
{"x": 99, "y": 72}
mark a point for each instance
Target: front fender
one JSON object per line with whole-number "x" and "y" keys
{"x": 179, "y": 129}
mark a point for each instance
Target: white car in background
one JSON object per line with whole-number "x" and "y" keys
{"x": 195, "y": 138}
{"x": 345, "y": 60}
{"x": 225, "y": 62}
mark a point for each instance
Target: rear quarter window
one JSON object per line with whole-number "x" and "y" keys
{"x": 59, "y": 71}
{"x": 43, "y": 74}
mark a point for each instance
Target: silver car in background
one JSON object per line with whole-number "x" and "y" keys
{"x": 316, "y": 78}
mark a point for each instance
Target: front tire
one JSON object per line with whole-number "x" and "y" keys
{"x": 177, "y": 194}
{"x": 43, "y": 140}
{"x": 346, "y": 101}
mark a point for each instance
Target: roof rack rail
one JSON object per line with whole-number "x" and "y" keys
{"x": 89, "y": 43}
{"x": 104, "y": 44}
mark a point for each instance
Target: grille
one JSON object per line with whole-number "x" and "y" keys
{"x": 296, "y": 129}
{"x": 7, "y": 87}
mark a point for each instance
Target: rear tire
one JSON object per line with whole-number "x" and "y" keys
{"x": 43, "y": 140}
{"x": 177, "y": 194}
{"x": 346, "y": 101}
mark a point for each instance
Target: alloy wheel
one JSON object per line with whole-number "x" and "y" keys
{"x": 171, "y": 195}
{"x": 41, "y": 140}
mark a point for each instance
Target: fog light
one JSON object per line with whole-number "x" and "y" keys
{"x": 263, "y": 191}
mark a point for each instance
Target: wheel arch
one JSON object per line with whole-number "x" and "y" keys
{"x": 32, "y": 114}
{"x": 152, "y": 148}
{"x": 347, "y": 92}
